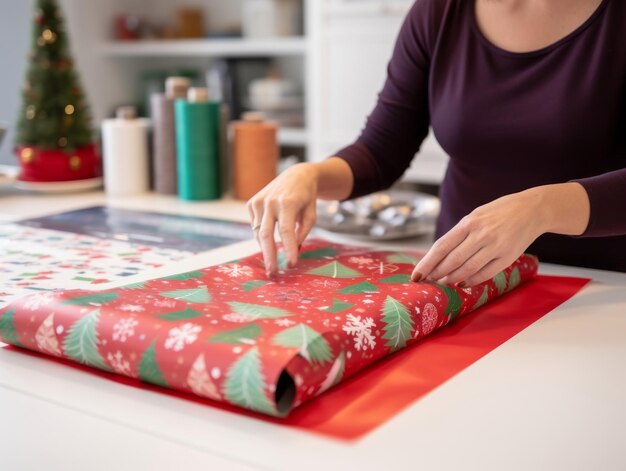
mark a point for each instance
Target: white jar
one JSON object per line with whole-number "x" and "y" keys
{"x": 271, "y": 18}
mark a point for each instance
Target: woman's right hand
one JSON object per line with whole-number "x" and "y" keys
{"x": 289, "y": 202}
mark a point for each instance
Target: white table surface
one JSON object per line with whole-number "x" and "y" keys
{"x": 553, "y": 397}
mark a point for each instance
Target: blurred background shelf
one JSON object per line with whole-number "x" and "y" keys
{"x": 337, "y": 58}
{"x": 296, "y": 137}
{"x": 231, "y": 47}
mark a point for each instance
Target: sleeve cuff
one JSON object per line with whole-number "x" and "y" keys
{"x": 607, "y": 198}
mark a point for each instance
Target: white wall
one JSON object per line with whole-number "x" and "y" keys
{"x": 14, "y": 44}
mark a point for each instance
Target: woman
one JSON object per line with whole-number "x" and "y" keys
{"x": 528, "y": 97}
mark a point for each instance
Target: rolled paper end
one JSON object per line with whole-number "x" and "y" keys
{"x": 177, "y": 87}
{"x": 198, "y": 95}
{"x": 126, "y": 112}
{"x": 253, "y": 117}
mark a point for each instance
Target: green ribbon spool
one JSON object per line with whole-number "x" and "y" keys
{"x": 198, "y": 149}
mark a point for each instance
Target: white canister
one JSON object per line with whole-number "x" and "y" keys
{"x": 126, "y": 156}
{"x": 271, "y": 18}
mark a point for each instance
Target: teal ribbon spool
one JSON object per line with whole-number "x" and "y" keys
{"x": 198, "y": 149}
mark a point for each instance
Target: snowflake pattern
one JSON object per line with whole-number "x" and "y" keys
{"x": 118, "y": 363}
{"x": 36, "y": 301}
{"x": 132, "y": 308}
{"x": 383, "y": 268}
{"x": 236, "y": 271}
{"x": 236, "y": 318}
{"x": 124, "y": 329}
{"x": 429, "y": 318}
{"x": 167, "y": 303}
{"x": 326, "y": 284}
{"x": 284, "y": 322}
{"x": 361, "y": 330}
{"x": 178, "y": 337}
{"x": 361, "y": 260}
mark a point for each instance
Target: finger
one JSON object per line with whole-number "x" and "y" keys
{"x": 287, "y": 231}
{"x": 470, "y": 268}
{"x": 457, "y": 258}
{"x": 265, "y": 236}
{"x": 486, "y": 273}
{"x": 255, "y": 210}
{"x": 306, "y": 224}
{"x": 438, "y": 252}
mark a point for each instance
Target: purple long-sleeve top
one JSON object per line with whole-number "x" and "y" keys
{"x": 509, "y": 121}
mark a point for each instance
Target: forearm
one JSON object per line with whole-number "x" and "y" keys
{"x": 562, "y": 208}
{"x": 334, "y": 179}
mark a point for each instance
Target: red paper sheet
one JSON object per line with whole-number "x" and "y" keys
{"x": 369, "y": 399}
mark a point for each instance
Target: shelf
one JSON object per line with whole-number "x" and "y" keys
{"x": 296, "y": 137}
{"x": 207, "y": 47}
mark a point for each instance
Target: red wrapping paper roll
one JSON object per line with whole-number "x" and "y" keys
{"x": 228, "y": 334}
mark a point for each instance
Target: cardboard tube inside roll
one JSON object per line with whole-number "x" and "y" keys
{"x": 255, "y": 156}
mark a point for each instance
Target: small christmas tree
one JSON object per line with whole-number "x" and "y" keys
{"x": 54, "y": 139}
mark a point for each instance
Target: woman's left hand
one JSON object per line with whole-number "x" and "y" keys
{"x": 493, "y": 236}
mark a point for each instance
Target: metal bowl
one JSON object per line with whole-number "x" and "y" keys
{"x": 381, "y": 216}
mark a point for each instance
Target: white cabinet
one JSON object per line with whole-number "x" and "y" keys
{"x": 352, "y": 44}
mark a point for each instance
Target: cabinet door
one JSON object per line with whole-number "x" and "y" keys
{"x": 355, "y": 44}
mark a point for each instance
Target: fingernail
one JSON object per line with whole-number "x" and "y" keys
{"x": 416, "y": 277}
{"x": 462, "y": 284}
{"x": 300, "y": 248}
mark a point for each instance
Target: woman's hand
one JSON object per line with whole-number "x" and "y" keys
{"x": 493, "y": 236}
{"x": 288, "y": 201}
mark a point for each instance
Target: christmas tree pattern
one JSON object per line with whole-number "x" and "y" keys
{"x": 242, "y": 336}
{"x": 360, "y": 288}
{"x": 335, "y": 270}
{"x": 185, "y": 315}
{"x": 81, "y": 344}
{"x": 484, "y": 298}
{"x": 149, "y": 370}
{"x": 245, "y": 385}
{"x": 335, "y": 374}
{"x": 196, "y": 295}
{"x": 231, "y": 338}
{"x": 313, "y": 346}
{"x": 8, "y": 333}
{"x": 258, "y": 311}
{"x": 398, "y": 323}
{"x": 454, "y": 305}
{"x": 399, "y": 279}
{"x": 254, "y": 284}
{"x": 97, "y": 299}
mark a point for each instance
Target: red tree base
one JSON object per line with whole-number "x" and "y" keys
{"x": 38, "y": 165}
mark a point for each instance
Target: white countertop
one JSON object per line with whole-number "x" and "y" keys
{"x": 552, "y": 397}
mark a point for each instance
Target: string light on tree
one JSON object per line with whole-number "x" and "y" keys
{"x": 27, "y": 155}
{"x": 75, "y": 162}
{"x": 48, "y": 36}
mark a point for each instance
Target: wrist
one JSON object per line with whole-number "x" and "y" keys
{"x": 334, "y": 178}
{"x": 561, "y": 208}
